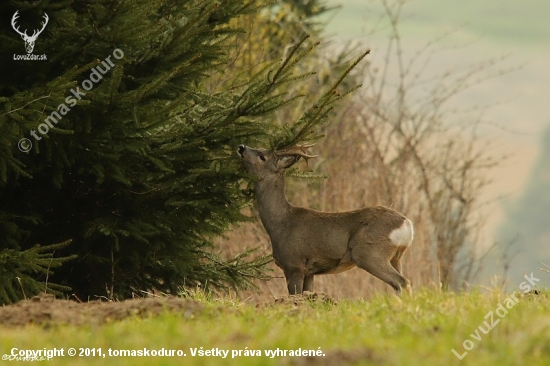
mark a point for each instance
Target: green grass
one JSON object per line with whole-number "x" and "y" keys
{"x": 417, "y": 330}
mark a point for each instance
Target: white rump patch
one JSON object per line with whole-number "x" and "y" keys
{"x": 403, "y": 235}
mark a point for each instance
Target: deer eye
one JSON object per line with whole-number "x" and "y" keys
{"x": 262, "y": 157}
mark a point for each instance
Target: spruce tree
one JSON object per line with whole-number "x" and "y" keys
{"x": 133, "y": 152}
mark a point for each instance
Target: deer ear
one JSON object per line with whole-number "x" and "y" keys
{"x": 286, "y": 161}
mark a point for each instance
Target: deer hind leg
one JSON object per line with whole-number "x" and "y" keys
{"x": 374, "y": 259}
{"x": 396, "y": 259}
{"x": 396, "y": 263}
{"x": 295, "y": 280}
{"x": 308, "y": 283}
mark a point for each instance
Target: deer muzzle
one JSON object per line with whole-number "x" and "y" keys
{"x": 241, "y": 150}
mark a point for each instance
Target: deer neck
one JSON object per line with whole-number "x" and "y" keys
{"x": 273, "y": 205}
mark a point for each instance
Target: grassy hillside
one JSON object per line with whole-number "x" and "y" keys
{"x": 418, "y": 330}
{"x": 503, "y": 21}
{"x": 516, "y": 99}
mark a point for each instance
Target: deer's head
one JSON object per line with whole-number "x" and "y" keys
{"x": 264, "y": 163}
{"x": 29, "y": 40}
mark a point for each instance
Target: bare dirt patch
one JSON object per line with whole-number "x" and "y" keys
{"x": 306, "y": 298}
{"x": 47, "y": 311}
{"x": 340, "y": 357}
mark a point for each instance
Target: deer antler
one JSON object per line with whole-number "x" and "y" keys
{"x": 13, "y": 19}
{"x": 46, "y": 18}
{"x": 24, "y": 34}
{"x": 297, "y": 150}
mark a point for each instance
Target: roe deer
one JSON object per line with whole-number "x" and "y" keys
{"x": 307, "y": 242}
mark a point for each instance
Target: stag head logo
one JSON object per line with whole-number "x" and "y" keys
{"x": 29, "y": 40}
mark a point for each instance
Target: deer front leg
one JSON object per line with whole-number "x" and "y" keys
{"x": 294, "y": 280}
{"x": 308, "y": 283}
